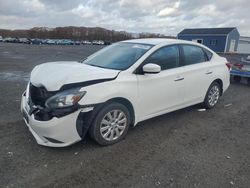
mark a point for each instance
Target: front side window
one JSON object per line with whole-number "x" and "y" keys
{"x": 166, "y": 57}
{"x": 118, "y": 56}
{"x": 193, "y": 54}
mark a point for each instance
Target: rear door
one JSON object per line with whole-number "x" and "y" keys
{"x": 163, "y": 91}
{"x": 198, "y": 72}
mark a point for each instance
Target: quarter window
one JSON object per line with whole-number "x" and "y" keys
{"x": 209, "y": 54}
{"x": 166, "y": 57}
{"x": 193, "y": 55}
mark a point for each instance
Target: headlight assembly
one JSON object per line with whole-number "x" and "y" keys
{"x": 65, "y": 98}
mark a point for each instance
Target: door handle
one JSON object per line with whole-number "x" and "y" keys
{"x": 179, "y": 78}
{"x": 209, "y": 72}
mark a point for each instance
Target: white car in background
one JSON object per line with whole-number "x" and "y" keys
{"x": 119, "y": 86}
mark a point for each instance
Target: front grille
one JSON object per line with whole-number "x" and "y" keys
{"x": 39, "y": 95}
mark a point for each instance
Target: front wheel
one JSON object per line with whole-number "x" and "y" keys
{"x": 111, "y": 124}
{"x": 212, "y": 96}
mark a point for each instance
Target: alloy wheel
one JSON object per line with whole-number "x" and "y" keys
{"x": 213, "y": 95}
{"x": 113, "y": 125}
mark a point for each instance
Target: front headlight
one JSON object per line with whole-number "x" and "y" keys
{"x": 65, "y": 98}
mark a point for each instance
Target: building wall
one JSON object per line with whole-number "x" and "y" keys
{"x": 243, "y": 48}
{"x": 243, "y": 42}
{"x": 216, "y": 43}
{"x": 233, "y": 35}
{"x": 244, "y": 39}
{"x": 244, "y": 45}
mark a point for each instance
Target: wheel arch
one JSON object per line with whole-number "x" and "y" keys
{"x": 205, "y": 101}
{"x": 126, "y": 103}
{"x": 220, "y": 82}
{"x": 85, "y": 119}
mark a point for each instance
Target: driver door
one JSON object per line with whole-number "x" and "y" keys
{"x": 161, "y": 92}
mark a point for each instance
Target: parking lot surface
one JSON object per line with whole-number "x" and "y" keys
{"x": 186, "y": 148}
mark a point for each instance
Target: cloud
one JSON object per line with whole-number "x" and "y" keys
{"x": 168, "y": 11}
{"x": 158, "y": 16}
{"x": 34, "y": 5}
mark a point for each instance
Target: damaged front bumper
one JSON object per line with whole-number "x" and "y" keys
{"x": 56, "y": 131}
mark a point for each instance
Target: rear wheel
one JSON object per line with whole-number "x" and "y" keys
{"x": 212, "y": 96}
{"x": 111, "y": 124}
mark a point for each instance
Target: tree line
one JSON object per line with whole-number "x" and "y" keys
{"x": 75, "y": 33}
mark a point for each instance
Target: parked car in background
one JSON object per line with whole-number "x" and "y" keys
{"x": 53, "y": 41}
{"x": 240, "y": 71}
{"x": 119, "y": 86}
{"x": 44, "y": 41}
{"x": 97, "y": 42}
{"x": 86, "y": 42}
{"x": 77, "y": 42}
{"x": 50, "y": 41}
{"x": 57, "y": 41}
{"x": 10, "y": 40}
{"x": 36, "y": 41}
{"x": 107, "y": 42}
{"x": 101, "y": 42}
{"x": 24, "y": 41}
{"x": 94, "y": 42}
{"x": 67, "y": 42}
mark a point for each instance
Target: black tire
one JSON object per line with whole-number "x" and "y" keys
{"x": 207, "y": 104}
{"x": 95, "y": 129}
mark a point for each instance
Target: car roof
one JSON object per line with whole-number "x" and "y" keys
{"x": 165, "y": 41}
{"x": 156, "y": 41}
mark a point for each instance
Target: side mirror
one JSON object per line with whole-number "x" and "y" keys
{"x": 151, "y": 68}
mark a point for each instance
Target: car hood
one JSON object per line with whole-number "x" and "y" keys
{"x": 54, "y": 75}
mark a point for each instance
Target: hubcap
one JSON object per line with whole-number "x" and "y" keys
{"x": 113, "y": 125}
{"x": 213, "y": 95}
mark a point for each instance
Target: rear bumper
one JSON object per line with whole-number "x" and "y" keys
{"x": 57, "y": 132}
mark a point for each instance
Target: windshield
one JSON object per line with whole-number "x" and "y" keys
{"x": 119, "y": 56}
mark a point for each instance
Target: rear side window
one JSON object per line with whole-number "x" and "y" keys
{"x": 193, "y": 55}
{"x": 166, "y": 57}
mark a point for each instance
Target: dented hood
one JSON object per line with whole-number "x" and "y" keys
{"x": 54, "y": 75}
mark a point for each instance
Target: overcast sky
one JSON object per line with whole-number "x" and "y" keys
{"x": 159, "y": 16}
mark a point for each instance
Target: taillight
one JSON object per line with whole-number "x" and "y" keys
{"x": 238, "y": 65}
{"x": 229, "y": 66}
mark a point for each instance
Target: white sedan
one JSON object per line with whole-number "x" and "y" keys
{"x": 119, "y": 86}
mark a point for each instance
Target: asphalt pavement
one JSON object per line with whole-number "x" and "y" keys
{"x": 186, "y": 148}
